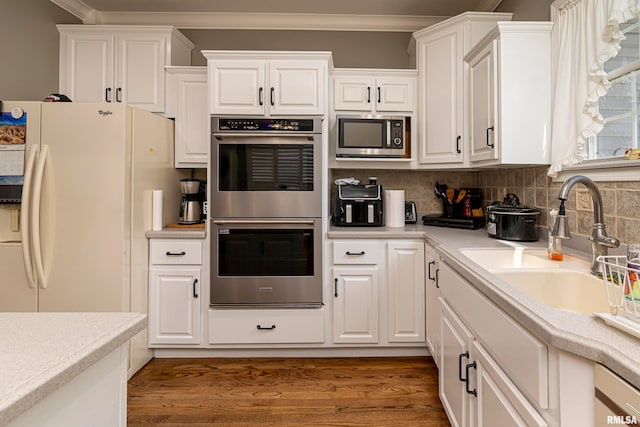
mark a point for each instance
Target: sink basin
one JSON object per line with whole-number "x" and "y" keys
{"x": 568, "y": 290}
{"x": 499, "y": 258}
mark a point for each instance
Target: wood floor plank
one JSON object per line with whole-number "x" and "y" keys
{"x": 286, "y": 392}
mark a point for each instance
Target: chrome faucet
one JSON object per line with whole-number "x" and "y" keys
{"x": 600, "y": 242}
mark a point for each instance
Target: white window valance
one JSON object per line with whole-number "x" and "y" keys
{"x": 585, "y": 35}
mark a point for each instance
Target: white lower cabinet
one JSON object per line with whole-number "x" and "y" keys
{"x": 455, "y": 342}
{"x": 355, "y": 305}
{"x": 266, "y": 326}
{"x": 484, "y": 354}
{"x": 432, "y": 293}
{"x": 378, "y": 291}
{"x": 405, "y": 291}
{"x": 175, "y": 290}
{"x": 498, "y": 402}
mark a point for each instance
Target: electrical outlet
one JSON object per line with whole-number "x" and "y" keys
{"x": 583, "y": 201}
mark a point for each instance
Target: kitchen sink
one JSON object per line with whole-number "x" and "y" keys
{"x": 575, "y": 291}
{"x": 500, "y": 258}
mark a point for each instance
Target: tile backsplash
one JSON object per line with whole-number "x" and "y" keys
{"x": 534, "y": 188}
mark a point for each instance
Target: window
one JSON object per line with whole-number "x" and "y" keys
{"x": 620, "y": 107}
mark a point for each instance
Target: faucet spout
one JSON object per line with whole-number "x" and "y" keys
{"x": 600, "y": 242}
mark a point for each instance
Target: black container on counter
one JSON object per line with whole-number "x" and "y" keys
{"x": 509, "y": 220}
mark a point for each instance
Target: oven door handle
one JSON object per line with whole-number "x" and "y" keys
{"x": 262, "y": 222}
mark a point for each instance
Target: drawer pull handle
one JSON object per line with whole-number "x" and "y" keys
{"x": 183, "y": 253}
{"x": 355, "y": 253}
{"x": 473, "y": 392}
{"x": 195, "y": 293}
{"x": 265, "y": 328}
{"x": 460, "y": 356}
{"x": 429, "y": 273}
{"x": 489, "y": 144}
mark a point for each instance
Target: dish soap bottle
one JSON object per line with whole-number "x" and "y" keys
{"x": 555, "y": 244}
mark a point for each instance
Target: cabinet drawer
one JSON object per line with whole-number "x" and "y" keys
{"x": 355, "y": 252}
{"x": 520, "y": 354}
{"x": 266, "y": 326}
{"x": 176, "y": 251}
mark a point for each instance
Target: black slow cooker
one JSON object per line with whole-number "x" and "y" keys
{"x": 509, "y": 220}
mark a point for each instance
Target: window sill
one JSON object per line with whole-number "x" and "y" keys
{"x": 618, "y": 169}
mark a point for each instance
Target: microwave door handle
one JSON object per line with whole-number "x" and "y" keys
{"x": 388, "y": 133}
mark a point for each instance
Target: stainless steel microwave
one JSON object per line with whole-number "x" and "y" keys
{"x": 373, "y": 136}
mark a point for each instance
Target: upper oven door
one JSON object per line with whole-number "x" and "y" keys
{"x": 266, "y": 176}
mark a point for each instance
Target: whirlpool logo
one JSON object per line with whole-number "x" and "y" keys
{"x": 105, "y": 113}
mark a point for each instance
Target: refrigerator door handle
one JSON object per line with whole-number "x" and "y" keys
{"x": 35, "y": 215}
{"x": 25, "y": 217}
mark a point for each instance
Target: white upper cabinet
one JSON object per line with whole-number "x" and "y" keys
{"x": 119, "y": 63}
{"x": 374, "y": 90}
{"x": 510, "y": 95}
{"x": 187, "y": 103}
{"x": 267, "y": 83}
{"x": 442, "y": 86}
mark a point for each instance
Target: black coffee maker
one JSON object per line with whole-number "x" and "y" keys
{"x": 191, "y": 203}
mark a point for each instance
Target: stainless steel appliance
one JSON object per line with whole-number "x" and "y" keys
{"x": 265, "y": 209}
{"x": 191, "y": 202}
{"x": 358, "y": 205}
{"x": 373, "y": 136}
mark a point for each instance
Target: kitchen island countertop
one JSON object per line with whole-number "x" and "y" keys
{"x": 40, "y": 352}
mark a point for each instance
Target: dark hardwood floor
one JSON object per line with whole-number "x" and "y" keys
{"x": 286, "y": 392}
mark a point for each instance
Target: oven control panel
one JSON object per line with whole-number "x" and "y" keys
{"x": 279, "y": 125}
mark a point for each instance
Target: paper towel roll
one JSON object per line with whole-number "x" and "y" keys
{"x": 394, "y": 208}
{"x": 156, "y": 210}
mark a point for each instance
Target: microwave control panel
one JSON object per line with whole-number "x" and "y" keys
{"x": 397, "y": 130}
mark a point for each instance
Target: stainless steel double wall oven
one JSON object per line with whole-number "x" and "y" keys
{"x": 265, "y": 207}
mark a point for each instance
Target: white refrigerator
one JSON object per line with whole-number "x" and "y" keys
{"x": 76, "y": 241}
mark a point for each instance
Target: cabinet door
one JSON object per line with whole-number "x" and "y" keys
{"x": 355, "y": 305}
{"x": 192, "y": 121}
{"x": 139, "y": 78}
{"x": 296, "y": 87}
{"x": 442, "y": 80}
{"x": 394, "y": 94}
{"x": 87, "y": 66}
{"x": 237, "y": 87}
{"x": 174, "y": 306}
{"x": 405, "y": 287}
{"x": 353, "y": 93}
{"x": 432, "y": 293}
{"x": 498, "y": 402}
{"x": 485, "y": 129}
{"x": 455, "y": 344}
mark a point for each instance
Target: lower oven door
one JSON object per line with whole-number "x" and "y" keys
{"x": 266, "y": 262}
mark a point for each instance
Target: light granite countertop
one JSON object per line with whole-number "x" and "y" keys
{"x": 40, "y": 352}
{"x": 177, "y": 233}
{"x": 581, "y": 334}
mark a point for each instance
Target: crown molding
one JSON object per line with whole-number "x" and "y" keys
{"x": 270, "y": 21}
{"x": 77, "y": 8}
{"x": 263, "y": 21}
